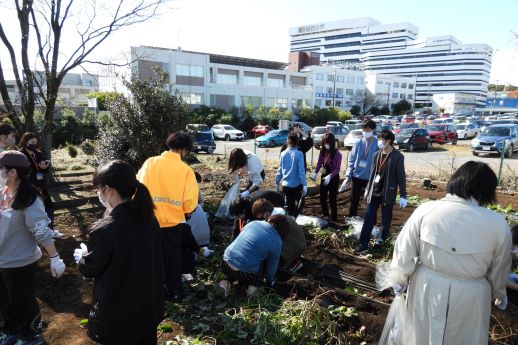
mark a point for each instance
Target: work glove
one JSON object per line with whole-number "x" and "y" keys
{"x": 277, "y": 188}
{"x": 403, "y": 202}
{"x": 206, "y": 252}
{"x": 278, "y": 211}
{"x": 313, "y": 176}
{"x": 304, "y": 190}
{"x": 244, "y": 194}
{"x": 327, "y": 179}
{"x": 501, "y": 303}
{"x": 512, "y": 278}
{"x": 343, "y": 187}
{"x": 399, "y": 289}
{"x": 57, "y": 266}
{"x": 80, "y": 252}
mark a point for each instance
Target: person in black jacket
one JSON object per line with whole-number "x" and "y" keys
{"x": 124, "y": 257}
{"x": 305, "y": 142}
{"x": 241, "y": 208}
{"x": 387, "y": 175}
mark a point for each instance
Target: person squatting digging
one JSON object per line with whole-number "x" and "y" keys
{"x": 246, "y": 162}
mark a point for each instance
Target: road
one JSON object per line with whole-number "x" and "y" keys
{"x": 437, "y": 162}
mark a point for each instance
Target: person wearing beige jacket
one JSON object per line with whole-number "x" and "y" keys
{"x": 454, "y": 255}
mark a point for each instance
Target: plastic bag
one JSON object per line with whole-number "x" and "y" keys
{"x": 232, "y": 194}
{"x": 309, "y": 220}
{"x": 356, "y": 224}
{"x": 394, "y": 332}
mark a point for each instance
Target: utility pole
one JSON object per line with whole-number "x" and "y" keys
{"x": 428, "y": 98}
{"x": 334, "y": 87}
{"x": 494, "y": 96}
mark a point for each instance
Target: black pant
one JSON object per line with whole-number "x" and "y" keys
{"x": 172, "y": 248}
{"x": 189, "y": 248}
{"x": 243, "y": 278}
{"x": 330, "y": 190}
{"x": 293, "y": 198}
{"x": 358, "y": 187}
{"x": 19, "y": 310}
{"x": 371, "y": 219}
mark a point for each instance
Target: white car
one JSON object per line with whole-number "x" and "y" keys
{"x": 337, "y": 124}
{"x": 352, "y": 138}
{"x": 227, "y": 132}
{"x": 467, "y": 130}
{"x": 354, "y": 124}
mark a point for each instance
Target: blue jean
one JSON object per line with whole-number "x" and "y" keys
{"x": 371, "y": 219}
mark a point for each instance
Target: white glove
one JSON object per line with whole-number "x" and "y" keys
{"x": 206, "y": 251}
{"x": 501, "y": 304}
{"x": 327, "y": 179}
{"x": 278, "y": 210}
{"x": 403, "y": 202}
{"x": 244, "y": 194}
{"x": 80, "y": 252}
{"x": 344, "y": 185}
{"x": 313, "y": 176}
{"x": 304, "y": 190}
{"x": 399, "y": 289}
{"x": 57, "y": 266}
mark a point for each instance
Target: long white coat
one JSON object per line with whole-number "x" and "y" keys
{"x": 463, "y": 256}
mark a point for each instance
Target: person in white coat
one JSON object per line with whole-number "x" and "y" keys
{"x": 455, "y": 256}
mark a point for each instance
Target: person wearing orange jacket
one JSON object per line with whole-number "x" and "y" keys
{"x": 174, "y": 190}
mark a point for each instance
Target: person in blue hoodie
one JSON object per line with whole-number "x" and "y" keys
{"x": 359, "y": 166}
{"x": 292, "y": 176}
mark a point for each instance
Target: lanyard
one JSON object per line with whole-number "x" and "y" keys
{"x": 381, "y": 163}
{"x": 8, "y": 202}
{"x": 34, "y": 161}
{"x": 366, "y": 150}
{"x": 241, "y": 224}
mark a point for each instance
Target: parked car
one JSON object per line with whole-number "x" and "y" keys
{"x": 467, "y": 130}
{"x": 383, "y": 127}
{"x": 404, "y": 126}
{"x": 196, "y": 127}
{"x": 337, "y": 123}
{"x": 305, "y": 127}
{"x": 339, "y": 132}
{"x": 442, "y": 121}
{"x": 352, "y": 138}
{"x": 430, "y": 119}
{"x": 408, "y": 119}
{"x": 259, "y": 130}
{"x": 227, "y": 132}
{"x": 413, "y": 138}
{"x": 442, "y": 133}
{"x": 203, "y": 141}
{"x": 273, "y": 138}
{"x": 496, "y": 138}
{"x": 354, "y": 124}
{"x": 445, "y": 115}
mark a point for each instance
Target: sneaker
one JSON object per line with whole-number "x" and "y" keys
{"x": 57, "y": 234}
{"x": 7, "y": 339}
{"x": 187, "y": 277}
{"x": 225, "y": 286}
{"x": 378, "y": 243}
{"x": 361, "y": 249}
{"x": 38, "y": 340}
{"x": 295, "y": 266}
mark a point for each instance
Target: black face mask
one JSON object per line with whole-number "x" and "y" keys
{"x": 32, "y": 147}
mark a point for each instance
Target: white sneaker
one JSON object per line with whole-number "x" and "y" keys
{"x": 225, "y": 285}
{"x": 57, "y": 235}
{"x": 251, "y": 290}
{"x": 187, "y": 277}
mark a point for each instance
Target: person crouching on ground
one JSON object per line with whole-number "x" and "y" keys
{"x": 24, "y": 226}
{"x": 124, "y": 257}
{"x": 241, "y": 208}
{"x": 254, "y": 254}
{"x": 294, "y": 242}
{"x": 292, "y": 176}
{"x": 246, "y": 162}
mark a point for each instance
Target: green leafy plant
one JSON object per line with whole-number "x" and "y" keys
{"x": 87, "y": 147}
{"x": 72, "y": 150}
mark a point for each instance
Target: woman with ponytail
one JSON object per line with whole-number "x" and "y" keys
{"x": 124, "y": 257}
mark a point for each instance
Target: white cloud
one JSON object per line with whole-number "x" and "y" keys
{"x": 504, "y": 68}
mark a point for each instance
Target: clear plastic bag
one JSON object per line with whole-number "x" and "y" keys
{"x": 312, "y": 221}
{"x": 394, "y": 329}
{"x": 356, "y": 224}
{"x": 232, "y": 194}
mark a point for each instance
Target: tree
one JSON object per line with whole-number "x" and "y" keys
{"x": 140, "y": 123}
{"x": 366, "y": 102}
{"x": 385, "y": 110}
{"x": 401, "y": 107}
{"x": 355, "y": 110}
{"x": 318, "y": 117}
{"x": 344, "y": 116}
{"x": 42, "y": 26}
{"x": 103, "y": 98}
{"x": 209, "y": 116}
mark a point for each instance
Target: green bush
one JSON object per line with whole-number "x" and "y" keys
{"x": 72, "y": 150}
{"x": 87, "y": 147}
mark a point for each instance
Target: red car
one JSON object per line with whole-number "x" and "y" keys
{"x": 442, "y": 134}
{"x": 259, "y": 130}
{"x": 408, "y": 119}
{"x": 404, "y": 126}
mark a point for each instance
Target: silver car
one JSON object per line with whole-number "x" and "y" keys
{"x": 352, "y": 138}
{"x": 318, "y": 133}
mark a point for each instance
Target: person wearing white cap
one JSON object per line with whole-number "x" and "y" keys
{"x": 24, "y": 227}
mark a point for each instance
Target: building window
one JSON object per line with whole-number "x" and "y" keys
{"x": 349, "y": 92}
{"x": 403, "y": 85}
{"x": 410, "y": 96}
{"x": 329, "y": 90}
{"x": 340, "y": 79}
{"x": 350, "y": 80}
{"x": 394, "y": 95}
{"x": 252, "y": 81}
{"x": 273, "y": 82}
{"x": 396, "y": 84}
{"x": 338, "y": 103}
{"x": 227, "y": 79}
{"x": 253, "y": 101}
{"x": 300, "y": 103}
{"x": 401, "y": 96}
{"x": 359, "y": 81}
{"x": 318, "y": 103}
{"x": 339, "y": 91}
{"x": 359, "y": 92}
{"x": 319, "y": 89}
{"x": 189, "y": 70}
{"x": 277, "y": 102}
{"x": 330, "y": 77}
{"x": 192, "y": 98}
{"x": 329, "y": 102}
{"x": 410, "y": 86}
{"x": 379, "y": 82}
{"x": 319, "y": 76}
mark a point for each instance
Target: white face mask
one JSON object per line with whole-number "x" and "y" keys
{"x": 367, "y": 134}
{"x": 381, "y": 144}
{"x": 327, "y": 146}
{"x": 105, "y": 203}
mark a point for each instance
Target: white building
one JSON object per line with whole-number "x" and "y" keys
{"x": 225, "y": 81}
{"x": 464, "y": 103}
{"x": 441, "y": 64}
{"x": 390, "y": 89}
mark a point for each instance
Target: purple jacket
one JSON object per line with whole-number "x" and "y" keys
{"x": 335, "y": 162}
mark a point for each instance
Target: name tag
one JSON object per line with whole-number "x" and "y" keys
{"x": 39, "y": 176}
{"x": 363, "y": 164}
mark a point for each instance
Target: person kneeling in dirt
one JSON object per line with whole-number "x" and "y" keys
{"x": 246, "y": 162}
{"x": 294, "y": 242}
{"x": 241, "y": 208}
{"x": 254, "y": 254}
{"x": 24, "y": 226}
{"x": 124, "y": 257}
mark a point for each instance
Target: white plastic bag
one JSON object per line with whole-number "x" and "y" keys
{"x": 309, "y": 220}
{"x": 232, "y": 194}
{"x": 394, "y": 329}
{"x": 356, "y": 224}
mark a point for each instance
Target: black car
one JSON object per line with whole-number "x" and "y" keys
{"x": 413, "y": 138}
{"x": 203, "y": 141}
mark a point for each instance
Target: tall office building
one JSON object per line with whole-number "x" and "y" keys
{"x": 440, "y": 64}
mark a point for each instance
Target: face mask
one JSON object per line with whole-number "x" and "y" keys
{"x": 3, "y": 179}
{"x": 32, "y": 147}
{"x": 381, "y": 145}
{"x": 367, "y": 134}
{"x": 105, "y": 203}
{"x": 327, "y": 146}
